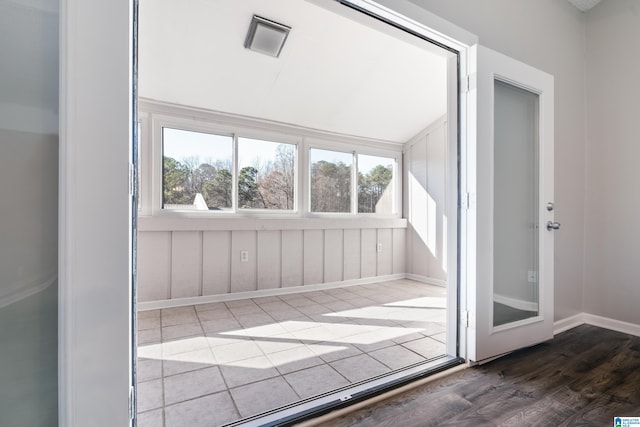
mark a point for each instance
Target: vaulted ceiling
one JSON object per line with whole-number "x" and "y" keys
{"x": 339, "y": 71}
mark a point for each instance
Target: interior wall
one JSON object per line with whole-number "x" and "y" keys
{"x": 612, "y": 247}
{"x": 425, "y": 204}
{"x": 549, "y": 35}
{"x": 174, "y": 263}
{"x": 29, "y": 220}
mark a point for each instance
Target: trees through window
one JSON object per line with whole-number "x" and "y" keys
{"x": 207, "y": 171}
{"x": 197, "y": 172}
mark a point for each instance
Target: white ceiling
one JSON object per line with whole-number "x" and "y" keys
{"x": 334, "y": 74}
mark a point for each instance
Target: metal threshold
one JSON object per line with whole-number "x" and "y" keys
{"x": 349, "y": 395}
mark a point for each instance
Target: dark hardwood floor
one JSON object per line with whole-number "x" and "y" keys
{"x": 583, "y": 377}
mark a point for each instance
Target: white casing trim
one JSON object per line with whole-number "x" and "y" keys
{"x": 594, "y": 320}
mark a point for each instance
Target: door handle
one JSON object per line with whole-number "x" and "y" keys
{"x": 553, "y": 225}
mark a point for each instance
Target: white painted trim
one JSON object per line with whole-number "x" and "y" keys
{"x": 562, "y": 325}
{"x": 25, "y": 289}
{"x": 612, "y": 324}
{"x": 599, "y": 321}
{"x": 180, "y": 302}
{"x": 427, "y": 280}
{"x": 251, "y": 126}
{"x": 420, "y": 20}
{"x": 176, "y": 222}
{"x": 515, "y": 303}
{"x": 94, "y": 249}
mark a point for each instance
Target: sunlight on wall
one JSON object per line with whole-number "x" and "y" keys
{"x": 422, "y": 215}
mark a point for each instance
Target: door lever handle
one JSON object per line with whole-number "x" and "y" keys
{"x": 553, "y": 225}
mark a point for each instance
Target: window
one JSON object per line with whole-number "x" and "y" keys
{"x": 375, "y": 184}
{"x": 266, "y": 174}
{"x": 330, "y": 181}
{"x": 235, "y": 167}
{"x": 198, "y": 172}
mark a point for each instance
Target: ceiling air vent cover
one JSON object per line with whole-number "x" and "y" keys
{"x": 266, "y": 36}
{"x": 584, "y": 5}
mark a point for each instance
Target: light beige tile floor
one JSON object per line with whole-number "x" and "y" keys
{"x": 215, "y": 363}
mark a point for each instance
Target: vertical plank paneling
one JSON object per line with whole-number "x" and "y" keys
{"x": 313, "y": 256}
{"x": 186, "y": 264}
{"x": 351, "y": 254}
{"x": 243, "y": 274}
{"x": 154, "y": 265}
{"x": 399, "y": 250}
{"x": 333, "y": 256}
{"x": 437, "y": 188}
{"x": 292, "y": 258}
{"x": 269, "y": 259}
{"x": 216, "y": 262}
{"x": 419, "y": 201}
{"x": 385, "y": 258}
{"x": 368, "y": 252}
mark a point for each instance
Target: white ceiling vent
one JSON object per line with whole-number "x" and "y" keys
{"x": 266, "y": 36}
{"x": 584, "y": 5}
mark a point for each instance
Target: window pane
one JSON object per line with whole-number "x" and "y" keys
{"x": 196, "y": 170}
{"x": 330, "y": 181}
{"x": 265, "y": 174}
{"x": 375, "y": 184}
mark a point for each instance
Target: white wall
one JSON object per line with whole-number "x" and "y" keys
{"x": 425, "y": 203}
{"x": 549, "y": 35}
{"x": 28, "y": 216}
{"x": 612, "y": 229}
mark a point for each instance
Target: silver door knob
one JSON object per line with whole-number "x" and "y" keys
{"x": 553, "y": 225}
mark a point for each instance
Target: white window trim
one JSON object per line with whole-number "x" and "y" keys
{"x": 157, "y": 115}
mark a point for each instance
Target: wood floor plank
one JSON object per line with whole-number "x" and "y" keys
{"x": 583, "y": 377}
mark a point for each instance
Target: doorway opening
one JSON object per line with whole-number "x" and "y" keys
{"x": 298, "y": 217}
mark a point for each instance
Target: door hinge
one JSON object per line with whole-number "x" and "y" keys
{"x": 468, "y": 201}
{"x": 132, "y": 408}
{"x": 464, "y": 318}
{"x": 468, "y": 83}
{"x": 131, "y": 179}
{"x": 467, "y": 319}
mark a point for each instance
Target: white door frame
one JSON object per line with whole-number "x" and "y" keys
{"x": 94, "y": 206}
{"x": 94, "y": 212}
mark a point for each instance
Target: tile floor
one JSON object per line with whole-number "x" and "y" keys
{"x": 211, "y": 364}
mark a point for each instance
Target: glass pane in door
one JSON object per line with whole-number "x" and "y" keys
{"x": 515, "y": 227}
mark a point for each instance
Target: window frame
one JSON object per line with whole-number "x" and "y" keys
{"x": 157, "y": 116}
{"x": 355, "y": 149}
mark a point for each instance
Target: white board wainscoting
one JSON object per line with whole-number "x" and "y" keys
{"x": 200, "y": 261}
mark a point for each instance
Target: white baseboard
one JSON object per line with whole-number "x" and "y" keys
{"x": 427, "y": 280}
{"x": 180, "y": 302}
{"x": 515, "y": 303}
{"x": 594, "y": 320}
{"x": 568, "y": 323}
{"x": 612, "y": 324}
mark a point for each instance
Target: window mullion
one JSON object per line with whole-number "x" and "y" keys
{"x": 354, "y": 185}
{"x": 234, "y": 180}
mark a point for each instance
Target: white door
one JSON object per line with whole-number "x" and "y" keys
{"x": 514, "y": 207}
